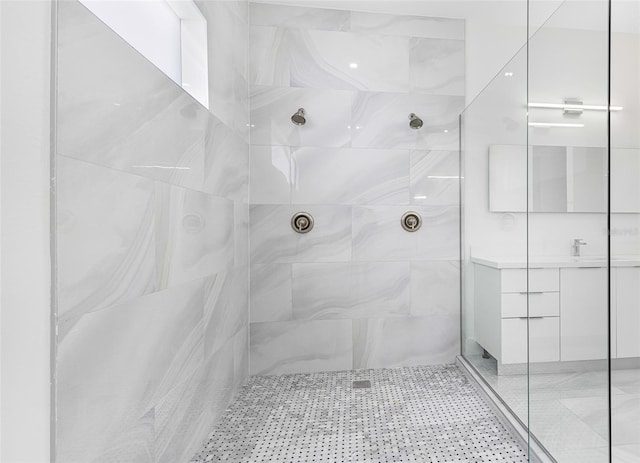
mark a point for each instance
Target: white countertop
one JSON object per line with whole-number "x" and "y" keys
{"x": 557, "y": 262}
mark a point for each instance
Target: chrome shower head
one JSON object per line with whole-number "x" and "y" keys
{"x": 414, "y": 121}
{"x": 298, "y": 118}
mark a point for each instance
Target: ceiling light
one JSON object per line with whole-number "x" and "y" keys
{"x": 353, "y": 65}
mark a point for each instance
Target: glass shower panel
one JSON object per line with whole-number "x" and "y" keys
{"x": 625, "y": 234}
{"x": 494, "y": 165}
{"x": 567, "y": 275}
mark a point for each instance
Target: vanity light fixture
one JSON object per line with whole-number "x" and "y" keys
{"x": 574, "y": 107}
{"x": 554, "y": 124}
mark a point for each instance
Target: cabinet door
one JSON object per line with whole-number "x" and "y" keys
{"x": 628, "y": 311}
{"x": 543, "y": 344}
{"x": 583, "y": 314}
{"x": 544, "y": 339}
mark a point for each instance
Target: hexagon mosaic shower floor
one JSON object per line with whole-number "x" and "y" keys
{"x": 414, "y": 414}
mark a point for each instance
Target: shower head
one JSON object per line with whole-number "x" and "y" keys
{"x": 298, "y": 118}
{"x": 414, "y": 121}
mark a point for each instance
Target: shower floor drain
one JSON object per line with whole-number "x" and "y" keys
{"x": 415, "y": 414}
{"x": 362, "y": 384}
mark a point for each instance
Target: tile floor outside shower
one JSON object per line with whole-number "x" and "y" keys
{"x": 569, "y": 410}
{"x": 430, "y": 414}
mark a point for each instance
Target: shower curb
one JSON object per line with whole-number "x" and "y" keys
{"x": 537, "y": 453}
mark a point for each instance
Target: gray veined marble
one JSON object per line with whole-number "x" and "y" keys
{"x": 358, "y": 176}
{"x": 226, "y": 307}
{"x": 299, "y": 17}
{"x": 195, "y": 235}
{"x": 271, "y": 175}
{"x": 228, "y": 36}
{"x": 320, "y": 345}
{"x": 269, "y": 56}
{"x": 350, "y": 290}
{"x": 405, "y": 341}
{"x": 226, "y": 162}
{"x": 437, "y": 66}
{"x": 273, "y": 241}
{"x": 435, "y": 178}
{"x": 106, "y": 239}
{"x": 271, "y": 293}
{"x": 140, "y": 121}
{"x": 407, "y": 26}
{"x": 109, "y": 408}
{"x": 348, "y": 61}
{"x": 328, "y": 116}
{"x": 379, "y": 120}
{"x": 378, "y": 235}
{"x": 435, "y": 288}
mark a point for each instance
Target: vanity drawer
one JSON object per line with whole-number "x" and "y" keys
{"x": 540, "y": 304}
{"x": 514, "y": 280}
{"x": 544, "y": 340}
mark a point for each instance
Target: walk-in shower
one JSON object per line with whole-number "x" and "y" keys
{"x": 287, "y": 232}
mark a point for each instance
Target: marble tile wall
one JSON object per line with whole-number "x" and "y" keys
{"x": 152, "y": 243}
{"x": 357, "y": 291}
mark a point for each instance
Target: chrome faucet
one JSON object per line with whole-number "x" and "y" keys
{"x": 575, "y": 249}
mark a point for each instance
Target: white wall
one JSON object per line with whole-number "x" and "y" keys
{"x": 25, "y": 268}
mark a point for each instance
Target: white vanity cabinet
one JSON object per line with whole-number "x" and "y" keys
{"x": 627, "y": 303}
{"x": 567, "y": 317}
{"x": 584, "y": 326}
{"x": 501, "y": 313}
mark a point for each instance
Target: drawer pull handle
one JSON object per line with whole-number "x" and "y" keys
{"x": 530, "y": 318}
{"x": 532, "y": 292}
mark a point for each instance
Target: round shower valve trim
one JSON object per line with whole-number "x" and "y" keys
{"x": 302, "y": 222}
{"x": 411, "y": 221}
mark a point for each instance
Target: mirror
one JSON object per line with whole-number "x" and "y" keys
{"x": 561, "y": 179}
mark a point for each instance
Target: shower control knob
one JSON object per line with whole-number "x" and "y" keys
{"x": 302, "y": 222}
{"x": 411, "y": 221}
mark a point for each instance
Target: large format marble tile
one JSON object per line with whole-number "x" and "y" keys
{"x": 378, "y": 234}
{"x": 350, "y": 290}
{"x": 241, "y": 233}
{"x": 358, "y": 176}
{"x": 273, "y": 240}
{"x": 227, "y": 47}
{"x": 435, "y": 178}
{"x": 110, "y": 378}
{"x": 405, "y": 341}
{"x": 226, "y": 162}
{"x": 381, "y": 120}
{"x": 320, "y": 345}
{"x": 408, "y": 26}
{"x": 226, "y": 307}
{"x": 559, "y": 429}
{"x": 348, "y": 61}
{"x": 271, "y": 289}
{"x": 105, "y": 239}
{"x": 271, "y": 175}
{"x": 435, "y": 288}
{"x": 626, "y": 380}
{"x": 328, "y": 116}
{"x": 269, "y": 56}
{"x": 140, "y": 120}
{"x": 437, "y": 66}
{"x": 195, "y": 234}
{"x": 298, "y": 17}
{"x": 625, "y": 416}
